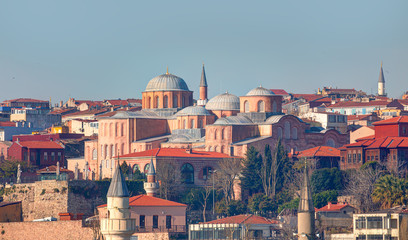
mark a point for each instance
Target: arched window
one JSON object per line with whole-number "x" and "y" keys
{"x": 150, "y": 103}
{"x": 215, "y": 134}
{"x": 105, "y": 129}
{"x": 183, "y": 101}
{"x": 294, "y": 133}
{"x": 102, "y": 151}
{"x": 211, "y": 149}
{"x": 175, "y": 101}
{"x": 261, "y": 106}
{"x": 94, "y": 154}
{"x": 107, "y": 163}
{"x": 222, "y": 149}
{"x": 116, "y": 129}
{"x": 106, "y": 151}
{"x": 157, "y": 101}
{"x": 330, "y": 142}
{"x": 110, "y": 129}
{"x": 287, "y": 130}
{"x": 215, "y": 149}
{"x": 200, "y": 123}
{"x": 222, "y": 133}
{"x": 187, "y": 173}
{"x": 112, "y": 153}
{"x": 192, "y": 123}
{"x": 165, "y": 102}
{"x": 146, "y": 168}
{"x": 135, "y": 168}
{"x": 246, "y": 106}
{"x": 274, "y": 107}
{"x": 207, "y": 172}
{"x": 184, "y": 124}
{"x": 280, "y": 132}
{"x": 122, "y": 130}
{"x": 122, "y": 149}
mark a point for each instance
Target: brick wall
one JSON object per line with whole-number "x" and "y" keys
{"x": 45, "y": 230}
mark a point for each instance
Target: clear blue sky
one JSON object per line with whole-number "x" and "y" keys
{"x": 110, "y": 49}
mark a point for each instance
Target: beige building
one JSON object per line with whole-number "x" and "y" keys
{"x": 385, "y": 224}
{"x": 362, "y": 132}
{"x": 329, "y": 120}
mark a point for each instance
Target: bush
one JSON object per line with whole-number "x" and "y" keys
{"x": 63, "y": 190}
{"x": 42, "y": 192}
{"x": 292, "y": 205}
{"x": 56, "y": 190}
{"x": 321, "y": 199}
{"x": 327, "y": 179}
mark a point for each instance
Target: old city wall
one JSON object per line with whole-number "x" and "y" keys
{"x": 49, "y": 198}
{"x": 45, "y": 230}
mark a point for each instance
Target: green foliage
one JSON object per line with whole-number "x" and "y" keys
{"x": 63, "y": 190}
{"x": 42, "y": 192}
{"x": 56, "y": 190}
{"x": 285, "y": 166}
{"x": 100, "y": 189}
{"x": 9, "y": 168}
{"x": 373, "y": 165}
{"x": 390, "y": 191}
{"x": 193, "y": 198}
{"x": 252, "y": 164}
{"x": 321, "y": 199}
{"x": 259, "y": 203}
{"x": 327, "y": 179}
{"x": 137, "y": 175}
{"x": 292, "y": 205}
{"x": 233, "y": 208}
{"x": 124, "y": 168}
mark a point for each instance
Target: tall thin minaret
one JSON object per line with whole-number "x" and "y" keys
{"x": 381, "y": 83}
{"x": 306, "y": 218}
{"x": 118, "y": 225}
{"x": 151, "y": 186}
{"x": 203, "y": 89}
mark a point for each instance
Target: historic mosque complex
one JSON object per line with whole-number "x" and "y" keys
{"x": 205, "y": 130}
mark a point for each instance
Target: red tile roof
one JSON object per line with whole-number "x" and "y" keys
{"x": 26, "y": 100}
{"x": 53, "y": 169}
{"x": 148, "y": 201}
{"x": 243, "y": 219}
{"x": 387, "y": 142}
{"x": 394, "y": 120}
{"x": 118, "y": 102}
{"x": 307, "y": 97}
{"x": 370, "y": 137}
{"x": 87, "y": 112}
{"x": 175, "y": 152}
{"x": 332, "y": 207}
{"x": 358, "y": 117}
{"x": 40, "y": 144}
{"x": 279, "y": 92}
{"x": 320, "y": 151}
{"x": 7, "y": 124}
{"x": 344, "y": 104}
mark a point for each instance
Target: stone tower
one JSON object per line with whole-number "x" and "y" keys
{"x": 118, "y": 225}
{"x": 381, "y": 83}
{"x": 151, "y": 186}
{"x": 306, "y": 218}
{"x": 203, "y": 89}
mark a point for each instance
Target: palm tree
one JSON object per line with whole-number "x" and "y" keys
{"x": 390, "y": 191}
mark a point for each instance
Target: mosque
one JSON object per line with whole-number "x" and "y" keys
{"x": 226, "y": 125}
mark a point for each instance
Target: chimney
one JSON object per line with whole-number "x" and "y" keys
{"x": 329, "y": 205}
{"x": 188, "y": 150}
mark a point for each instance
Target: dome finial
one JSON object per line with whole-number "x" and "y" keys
{"x": 167, "y": 70}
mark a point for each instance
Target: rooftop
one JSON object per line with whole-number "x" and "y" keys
{"x": 333, "y": 207}
{"x": 175, "y": 152}
{"x": 148, "y": 201}
{"x": 394, "y": 120}
{"x": 243, "y": 219}
{"x": 320, "y": 151}
{"x": 40, "y": 144}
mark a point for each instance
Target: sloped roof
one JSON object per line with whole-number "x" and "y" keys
{"x": 148, "y": 201}
{"x": 233, "y": 120}
{"x": 307, "y": 97}
{"x": 333, "y": 207}
{"x": 25, "y": 100}
{"x": 320, "y": 151}
{"x": 279, "y": 92}
{"x": 7, "y": 124}
{"x": 40, "y": 144}
{"x": 176, "y": 152}
{"x": 386, "y": 142}
{"x": 374, "y": 103}
{"x": 52, "y": 169}
{"x": 394, "y": 120}
{"x": 243, "y": 219}
{"x": 117, "y": 187}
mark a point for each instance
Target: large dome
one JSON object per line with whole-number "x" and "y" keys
{"x": 224, "y": 102}
{"x": 260, "y": 91}
{"x": 193, "y": 111}
{"x": 167, "y": 82}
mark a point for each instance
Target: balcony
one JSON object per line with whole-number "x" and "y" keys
{"x": 118, "y": 225}
{"x": 173, "y": 229}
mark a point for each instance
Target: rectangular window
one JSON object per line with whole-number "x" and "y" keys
{"x": 45, "y": 156}
{"x": 332, "y": 118}
{"x": 359, "y": 157}
{"x": 349, "y": 158}
{"x": 142, "y": 221}
{"x": 155, "y": 221}
{"x": 354, "y": 157}
{"x": 376, "y": 158}
{"x": 368, "y": 158}
{"x": 361, "y": 223}
{"x": 374, "y": 223}
{"x": 59, "y": 156}
{"x": 168, "y": 221}
{"x": 394, "y": 223}
{"x": 53, "y": 156}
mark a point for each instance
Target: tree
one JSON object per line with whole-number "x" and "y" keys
{"x": 260, "y": 203}
{"x": 250, "y": 179}
{"x": 326, "y": 179}
{"x": 227, "y": 174}
{"x": 199, "y": 198}
{"x": 390, "y": 191}
{"x": 235, "y": 207}
{"x": 360, "y": 185}
{"x": 321, "y": 199}
{"x": 169, "y": 180}
{"x": 124, "y": 168}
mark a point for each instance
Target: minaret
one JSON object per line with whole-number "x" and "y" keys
{"x": 151, "y": 186}
{"x": 203, "y": 89}
{"x": 306, "y": 218}
{"x": 118, "y": 225}
{"x": 381, "y": 83}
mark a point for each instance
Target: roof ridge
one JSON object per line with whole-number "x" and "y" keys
{"x": 249, "y": 216}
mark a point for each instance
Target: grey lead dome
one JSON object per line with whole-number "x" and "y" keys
{"x": 260, "y": 91}
{"x": 167, "y": 82}
{"x": 224, "y": 102}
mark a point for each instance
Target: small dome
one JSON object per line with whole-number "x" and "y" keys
{"x": 193, "y": 111}
{"x": 224, "y": 102}
{"x": 233, "y": 120}
{"x": 166, "y": 82}
{"x": 260, "y": 91}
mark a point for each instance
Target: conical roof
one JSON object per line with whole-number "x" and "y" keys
{"x": 118, "y": 186}
{"x": 381, "y": 78}
{"x": 306, "y": 201}
{"x": 203, "y": 82}
{"x": 151, "y": 170}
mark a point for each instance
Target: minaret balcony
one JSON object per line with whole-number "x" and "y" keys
{"x": 118, "y": 226}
